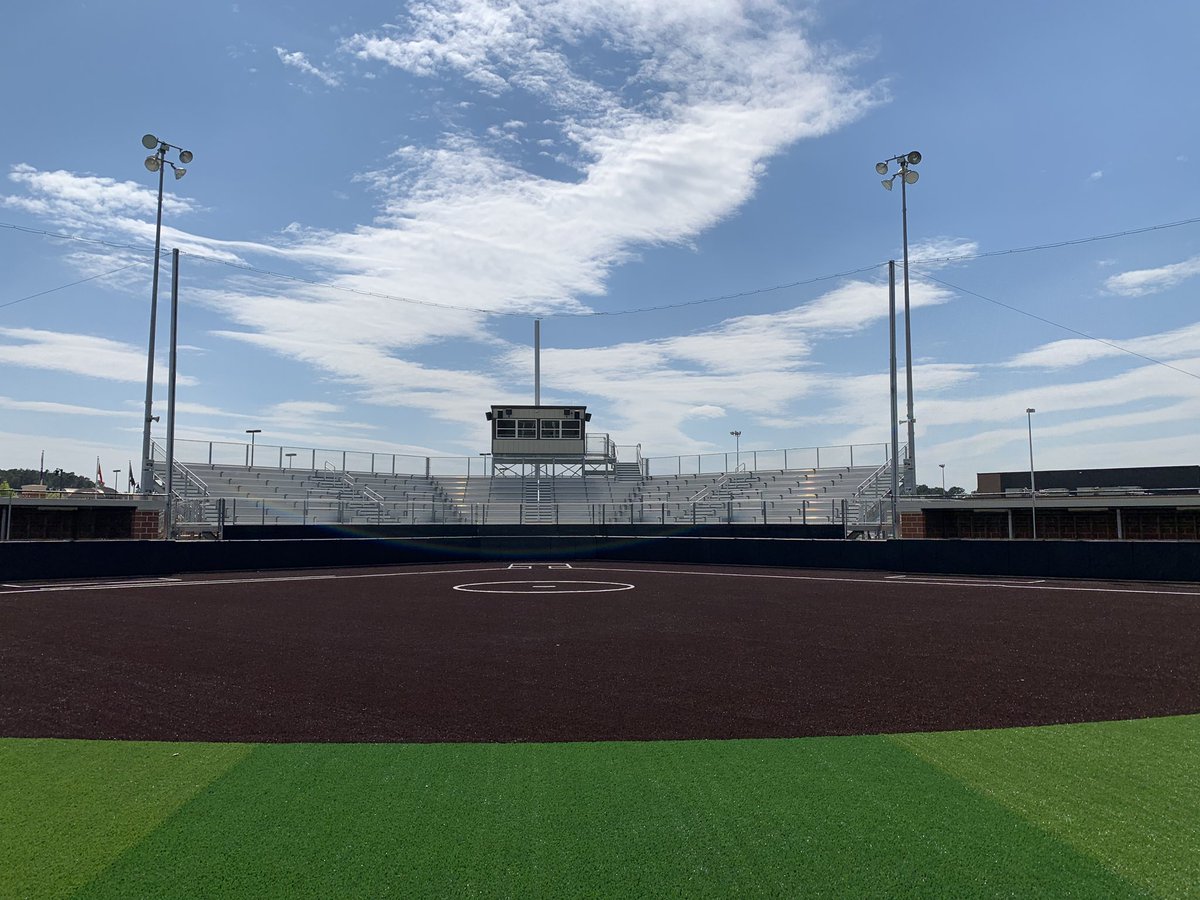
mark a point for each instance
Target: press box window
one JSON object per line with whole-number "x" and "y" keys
{"x": 527, "y": 429}
{"x": 506, "y": 428}
{"x": 550, "y": 429}
{"x": 572, "y": 429}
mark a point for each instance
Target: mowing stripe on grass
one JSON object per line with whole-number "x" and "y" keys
{"x": 1125, "y": 793}
{"x": 69, "y": 808}
{"x": 821, "y": 817}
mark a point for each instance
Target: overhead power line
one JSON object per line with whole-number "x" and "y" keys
{"x": 63, "y": 287}
{"x": 526, "y": 313}
{"x": 1075, "y": 331}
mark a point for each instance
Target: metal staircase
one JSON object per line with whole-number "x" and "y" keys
{"x": 537, "y": 499}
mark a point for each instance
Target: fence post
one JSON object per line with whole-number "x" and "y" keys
{"x": 818, "y": 457}
{"x": 210, "y": 453}
{"x": 804, "y": 512}
{"x": 427, "y": 467}
{"x": 220, "y": 514}
{"x": 852, "y": 456}
{"x": 343, "y": 460}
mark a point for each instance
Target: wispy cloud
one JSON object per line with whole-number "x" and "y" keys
{"x": 298, "y": 60}
{"x": 79, "y": 354}
{"x": 667, "y": 137}
{"x": 1150, "y": 281}
{"x": 1170, "y": 345}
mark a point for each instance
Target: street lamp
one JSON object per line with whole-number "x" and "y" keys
{"x": 1032, "y": 484}
{"x": 942, "y": 466}
{"x": 290, "y": 457}
{"x": 737, "y": 444}
{"x": 252, "y": 432}
{"x": 156, "y": 162}
{"x": 907, "y": 176}
{"x": 116, "y": 480}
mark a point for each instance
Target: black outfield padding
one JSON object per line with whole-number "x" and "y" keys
{"x": 1132, "y": 560}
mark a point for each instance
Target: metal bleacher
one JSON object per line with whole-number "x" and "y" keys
{"x": 213, "y": 494}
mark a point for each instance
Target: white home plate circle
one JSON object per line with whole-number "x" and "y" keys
{"x": 545, "y": 586}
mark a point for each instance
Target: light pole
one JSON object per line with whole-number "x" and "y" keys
{"x": 907, "y": 176}
{"x": 1032, "y": 484}
{"x": 942, "y": 466}
{"x": 116, "y": 480}
{"x": 252, "y": 432}
{"x": 156, "y": 162}
{"x": 290, "y": 457}
{"x": 737, "y": 445}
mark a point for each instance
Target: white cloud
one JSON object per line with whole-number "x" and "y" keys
{"x": 929, "y": 253}
{"x": 1150, "y": 281}
{"x": 79, "y": 354}
{"x": 63, "y": 409}
{"x": 1097, "y": 175}
{"x": 1175, "y": 344}
{"x": 298, "y": 60}
{"x": 667, "y": 138}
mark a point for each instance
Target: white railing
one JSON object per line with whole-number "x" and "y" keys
{"x": 839, "y": 456}
{"x": 214, "y": 512}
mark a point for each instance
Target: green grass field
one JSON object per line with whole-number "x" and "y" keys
{"x": 1097, "y": 810}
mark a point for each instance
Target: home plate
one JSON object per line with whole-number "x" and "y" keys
{"x": 545, "y": 586}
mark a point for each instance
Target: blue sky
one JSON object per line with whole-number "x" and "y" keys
{"x": 501, "y": 160}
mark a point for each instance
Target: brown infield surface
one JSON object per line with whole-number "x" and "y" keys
{"x": 570, "y": 654}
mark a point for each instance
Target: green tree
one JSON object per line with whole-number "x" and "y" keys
{"x": 56, "y": 479}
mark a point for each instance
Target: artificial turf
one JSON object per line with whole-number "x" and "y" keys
{"x": 1101, "y": 810}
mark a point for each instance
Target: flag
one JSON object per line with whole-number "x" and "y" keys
{"x": 99, "y": 474}
{"x": 132, "y": 484}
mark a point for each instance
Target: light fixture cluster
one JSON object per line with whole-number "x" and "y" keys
{"x": 905, "y": 160}
{"x": 155, "y": 161}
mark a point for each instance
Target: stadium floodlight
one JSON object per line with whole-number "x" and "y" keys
{"x": 737, "y": 445}
{"x": 157, "y": 162}
{"x": 907, "y": 176}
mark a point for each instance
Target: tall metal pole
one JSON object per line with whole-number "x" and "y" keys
{"x": 1032, "y": 483}
{"x": 911, "y": 462}
{"x": 147, "y": 461}
{"x": 895, "y": 411}
{"x": 537, "y": 362}
{"x": 168, "y": 529}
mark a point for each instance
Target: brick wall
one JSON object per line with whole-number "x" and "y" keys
{"x": 912, "y": 525}
{"x": 147, "y": 524}
{"x": 1145, "y": 524}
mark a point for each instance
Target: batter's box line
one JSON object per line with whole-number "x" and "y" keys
{"x": 539, "y": 565}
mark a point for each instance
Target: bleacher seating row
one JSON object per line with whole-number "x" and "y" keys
{"x": 295, "y": 496}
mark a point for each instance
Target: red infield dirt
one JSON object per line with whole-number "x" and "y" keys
{"x": 594, "y": 652}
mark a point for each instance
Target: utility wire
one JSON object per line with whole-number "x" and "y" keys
{"x": 620, "y": 312}
{"x": 526, "y": 313}
{"x": 63, "y": 287}
{"x": 1057, "y": 244}
{"x": 1082, "y": 334}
